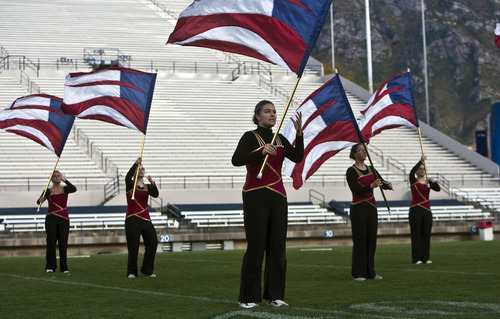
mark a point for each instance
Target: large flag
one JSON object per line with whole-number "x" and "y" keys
{"x": 39, "y": 118}
{"x": 328, "y": 127}
{"x": 116, "y": 95}
{"x": 282, "y": 32}
{"x": 497, "y": 35}
{"x": 391, "y": 106}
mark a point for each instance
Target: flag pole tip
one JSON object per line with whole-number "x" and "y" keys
{"x": 336, "y": 71}
{"x": 133, "y": 198}
{"x": 259, "y": 176}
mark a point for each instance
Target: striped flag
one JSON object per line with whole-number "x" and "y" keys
{"x": 497, "y": 35}
{"x": 328, "y": 127}
{"x": 39, "y": 118}
{"x": 282, "y": 32}
{"x": 391, "y": 106}
{"x": 116, "y": 95}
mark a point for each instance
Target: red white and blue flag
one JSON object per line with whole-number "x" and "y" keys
{"x": 391, "y": 106}
{"x": 328, "y": 127}
{"x": 497, "y": 35}
{"x": 116, "y": 95}
{"x": 39, "y": 118}
{"x": 282, "y": 32}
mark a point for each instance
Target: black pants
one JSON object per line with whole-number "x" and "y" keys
{"x": 266, "y": 218}
{"x": 57, "y": 230}
{"x": 364, "y": 222}
{"x": 136, "y": 227}
{"x": 420, "y": 228}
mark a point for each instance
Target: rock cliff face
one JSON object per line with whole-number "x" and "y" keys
{"x": 463, "y": 61}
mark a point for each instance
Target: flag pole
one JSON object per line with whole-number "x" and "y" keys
{"x": 422, "y": 149}
{"x": 418, "y": 126}
{"x": 48, "y": 183}
{"x": 259, "y": 176}
{"x": 137, "y": 170}
{"x": 377, "y": 175}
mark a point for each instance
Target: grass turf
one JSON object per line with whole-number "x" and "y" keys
{"x": 463, "y": 282}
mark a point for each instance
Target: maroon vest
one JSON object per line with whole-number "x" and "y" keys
{"x": 58, "y": 205}
{"x": 271, "y": 175}
{"x": 139, "y": 205}
{"x": 420, "y": 195}
{"x": 364, "y": 180}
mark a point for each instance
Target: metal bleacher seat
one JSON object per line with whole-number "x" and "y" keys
{"x": 485, "y": 196}
{"x": 439, "y": 213}
{"x": 304, "y": 214}
{"x": 80, "y": 222}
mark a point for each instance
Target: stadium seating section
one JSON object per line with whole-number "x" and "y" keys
{"x": 203, "y": 102}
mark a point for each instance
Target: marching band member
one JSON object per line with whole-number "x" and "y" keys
{"x": 138, "y": 222}
{"x": 265, "y": 207}
{"x": 420, "y": 215}
{"x": 362, "y": 179}
{"x": 57, "y": 222}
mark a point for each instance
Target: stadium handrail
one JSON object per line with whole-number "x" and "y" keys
{"x": 21, "y": 61}
{"x": 29, "y": 84}
{"x": 94, "y": 152}
{"x": 196, "y": 180}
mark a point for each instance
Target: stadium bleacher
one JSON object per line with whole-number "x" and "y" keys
{"x": 304, "y": 214}
{"x": 199, "y": 111}
{"x": 82, "y": 219}
{"x": 439, "y": 213}
{"x": 488, "y": 197}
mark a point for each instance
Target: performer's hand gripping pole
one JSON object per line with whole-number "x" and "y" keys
{"x": 48, "y": 184}
{"x": 259, "y": 176}
{"x": 138, "y": 167}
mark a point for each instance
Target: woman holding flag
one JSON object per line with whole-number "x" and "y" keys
{"x": 57, "y": 221}
{"x": 138, "y": 222}
{"x": 265, "y": 206}
{"x": 362, "y": 179}
{"x": 420, "y": 215}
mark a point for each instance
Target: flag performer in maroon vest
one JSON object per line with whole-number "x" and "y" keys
{"x": 420, "y": 215}
{"x": 138, "y": 222}
{"x": 57, "y": 221}
{"x": 362, "y": 179}
{"x": 265, "y": 206}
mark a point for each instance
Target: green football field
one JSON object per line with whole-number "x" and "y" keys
{"x": 463, "y": 282}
